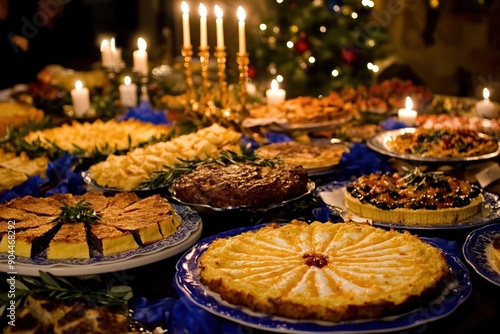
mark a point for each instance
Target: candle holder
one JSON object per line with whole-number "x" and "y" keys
{"x": 220, "y": 55}
{"x": 243, "y": 61}
{"x": 187, "y": 54}
{"x": 204, "y": 55}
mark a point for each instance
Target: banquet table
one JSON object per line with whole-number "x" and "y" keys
{"x": 479, "y": 313}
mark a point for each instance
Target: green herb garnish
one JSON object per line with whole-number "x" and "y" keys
{"x": 69, "y": 289}
{"x": 81, "y": 212}
{"x": 169, "y": 174}
{"x": 417, "y": 178}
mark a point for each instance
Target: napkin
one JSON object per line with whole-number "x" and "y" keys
{"x": 336, "y": 199}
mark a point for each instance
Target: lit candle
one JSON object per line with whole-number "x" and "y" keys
{"x": 128, "y": 93}
{"x": 186, "y": 34}
{"x": 105, "y": 53}
{"x": 203, "y": 26}
{"x": 275, "y": 95}
{"x": 81, "y": 99}
{"x": 408, "y": 115}
{"x": 141, "y": 57}
{"x": 116, "y": 54}
{"x": 485, "y": 108}
{"x": 241, "y": 30}
{"x": 219, "y": 27}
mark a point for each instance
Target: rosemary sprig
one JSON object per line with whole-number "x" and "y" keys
{"x": 81, "y": 212}
{"x": 417, "y": 178}
{"x": 169, "y": 174}
{"x": 50, "y": 286}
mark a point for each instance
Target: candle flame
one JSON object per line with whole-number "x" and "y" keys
{"x": 104, "y": 44}
{"x": 218, "y": 12}
{"x": 486, "y": 93}
{"x": 203, "y": 10}
{"x": 409, "y": 103}
{"x": 127, "y": 81}
{"x": 274, "y": 84}
{"x": 185, "y": 7}
{"x": 78, "y": 85}
{"x": 113, "y": 44}
{"x": 141, "y": 44}
{"x": 241, "y": 13}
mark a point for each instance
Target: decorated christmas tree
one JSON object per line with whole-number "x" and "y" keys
{"x": 319, "y": 45}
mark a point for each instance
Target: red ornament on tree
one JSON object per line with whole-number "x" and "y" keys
{"x": 302, "y": 44}
{"x": 252, "y": 72}
{"x": 349, "y": 56}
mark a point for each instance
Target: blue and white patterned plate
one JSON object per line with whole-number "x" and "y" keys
{"x": 490, "y": 212}
{"x": 187, "y": 281}
{"x": 187, "y": 234}
{"x": 477, "y": 251}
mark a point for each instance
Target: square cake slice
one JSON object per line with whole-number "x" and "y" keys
{"x": 70, "y": 242}
{"x": 109, "y": 240}
{"x": 32, "y": 241}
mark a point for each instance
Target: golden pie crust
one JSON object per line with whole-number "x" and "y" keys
{"x": 14, "y": 114}
{"x": 323, "y": 271}
{"x": 428, "y": 201}
{"x": 309, "y": 156}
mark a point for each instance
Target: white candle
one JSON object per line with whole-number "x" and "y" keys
{"x": 241, "y": 30}
{"x": 106, "y": 57}
{"x": 275, "y": 95}
{"x": 141, "y": 57}
{"x": 116, "y": 54}
{"x": 485, "y": 108}
{"x": 219, "y": 27}
{"x": 186, "y": 33}
{"x": 128, "y": 93}
{"x": 81, "y": 99}
{"x": 203, "y": 26}
{"x": 408, "y": 115}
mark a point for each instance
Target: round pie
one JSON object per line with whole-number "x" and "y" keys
{"x": 324, "y": 271}
{"x": 413, "y": 198}
{"x": 309, "y": 156}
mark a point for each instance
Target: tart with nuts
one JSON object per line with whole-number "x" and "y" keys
{"x": 413, "y": 198}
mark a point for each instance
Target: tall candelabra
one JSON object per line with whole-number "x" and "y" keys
{"x": 204, "y": 55}
{"x": 220, "y": 55}
{"x": 243, "y": 61}
{"x": 187, "y": 54}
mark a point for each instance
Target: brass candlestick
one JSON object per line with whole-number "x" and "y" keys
{"x": 205, "y": 83}
{"x": 187, "y": 53}
{"x": 243, "y": 61}
{"x": 220, "y": 55}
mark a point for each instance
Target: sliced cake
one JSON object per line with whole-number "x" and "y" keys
{"x": 70, "y": 242}
{"x": 109, "y": 240}
{"x": 32, "y": 241}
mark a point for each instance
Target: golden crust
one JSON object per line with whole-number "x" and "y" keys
{"x": 308, "y": 155}
{"x": 495, "y": 253}
{"x": 324, "y": 271}
{"x": 419, "y": 217}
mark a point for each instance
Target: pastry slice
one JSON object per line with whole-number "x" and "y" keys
{"x": 44, "y": 206}
{"x": 32, "y": 241}
{"x": 109, "y": 240}
{"x": 70, "y": 242}
{"x": 145, "y": 232}
{"x": 31, "y": 222}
